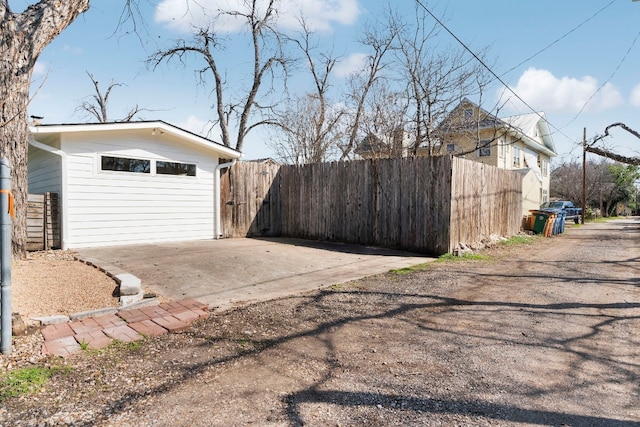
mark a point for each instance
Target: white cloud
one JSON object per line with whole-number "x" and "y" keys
{"x": 544, "y": 91}
{"x": 201, "y": 127}
{"x": 352, "y": 64}
{"x": 183, "y": 15}
{"x": 634, "y": 99}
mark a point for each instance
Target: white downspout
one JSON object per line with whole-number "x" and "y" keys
{"x": 216, "y": 197}
{"x": 63, "y": 184}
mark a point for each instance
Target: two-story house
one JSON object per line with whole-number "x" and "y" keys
{"x": 522, "y": 143}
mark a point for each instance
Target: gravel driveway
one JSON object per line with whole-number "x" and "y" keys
{"x": 540, "y": 334}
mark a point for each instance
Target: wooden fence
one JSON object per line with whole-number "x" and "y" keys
{"x": 424, "y": 204}
{"x": 485, "y": 200}
{"x": 43, "y": 222}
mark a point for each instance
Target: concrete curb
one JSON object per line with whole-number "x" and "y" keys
{"x": 129, "y": 286}
{"x": 52, "y": 320}
{"x": 92, "y": 313}
{"x": 147, "y": 302}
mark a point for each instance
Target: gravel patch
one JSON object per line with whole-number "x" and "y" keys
{"x": 53, "y": 282}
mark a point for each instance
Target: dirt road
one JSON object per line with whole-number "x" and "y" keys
{"x": 542, "y": 334}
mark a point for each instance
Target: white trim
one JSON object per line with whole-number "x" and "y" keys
{"x": 531, "y": 160}
{"x": 159, "y": 126}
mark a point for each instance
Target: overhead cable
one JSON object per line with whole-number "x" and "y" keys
{"x": 558, "y": 39}
{"x": 419, "y": 2}
{"x": 624, "y": 58}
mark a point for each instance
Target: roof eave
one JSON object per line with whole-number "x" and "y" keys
{"x": 531, "y": 143}
{"x": 159, "y": 125}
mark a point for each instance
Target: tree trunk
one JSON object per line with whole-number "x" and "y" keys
{"x": 23, "y": 36}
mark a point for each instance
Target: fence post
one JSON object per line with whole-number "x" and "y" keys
{"x": 5, "y": 255}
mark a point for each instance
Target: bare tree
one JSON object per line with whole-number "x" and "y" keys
{"x": 97, "y": 107}
{"x": 310, "y": 128}
{"x": 430, "y": 79}
{"x": 267, "y": 59}
{"x": 385, "y": 124}
{"x": 306, "y": 133}
{"x": 591, "y": 148}
{"x": 23, "y": 36}
{"x": 566, "y": 181}
{"x": 437, "y": 78}
{"x": 379, "y": 39}
{"x": 608, "y": 183}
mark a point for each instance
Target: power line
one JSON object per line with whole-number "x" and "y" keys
{"x": 419, "y": 2}
{"x": 624, "y": 58}
{"x": 558, "y": 39}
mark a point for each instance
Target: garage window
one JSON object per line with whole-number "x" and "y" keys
{"x": 124, "y": 164}
{"x": 175, "y": 168}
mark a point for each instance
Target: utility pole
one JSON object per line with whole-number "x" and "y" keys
{"x": 584, "y": 174}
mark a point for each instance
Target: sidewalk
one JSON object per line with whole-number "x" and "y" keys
{"x": 63, "y": 339}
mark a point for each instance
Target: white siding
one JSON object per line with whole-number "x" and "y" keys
{"x": 114, "y": 208}
{"x": 44, "y": 172}
{"x": 531, "y": 187}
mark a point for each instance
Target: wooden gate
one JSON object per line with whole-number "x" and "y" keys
{"x": 43, "y": 222}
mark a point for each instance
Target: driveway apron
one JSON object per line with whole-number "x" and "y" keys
{"x": 227, "y": 272}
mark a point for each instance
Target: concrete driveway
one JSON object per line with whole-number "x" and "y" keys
{"x": 228, "y": 272}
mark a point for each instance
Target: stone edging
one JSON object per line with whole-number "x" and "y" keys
{"x": 129, "y": 286}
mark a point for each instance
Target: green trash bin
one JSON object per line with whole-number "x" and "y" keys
{"x": 540, "y": 222}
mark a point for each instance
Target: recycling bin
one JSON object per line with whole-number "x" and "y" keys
{"x": 540, "y": 222}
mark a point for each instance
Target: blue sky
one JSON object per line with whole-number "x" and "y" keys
{"x": 589, "y": 78}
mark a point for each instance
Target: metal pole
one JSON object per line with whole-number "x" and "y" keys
{"x": 584, "y": 174}
{"x": 5, "y": 256}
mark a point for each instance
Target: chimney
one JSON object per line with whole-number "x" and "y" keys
{"x": 36, "y": 120}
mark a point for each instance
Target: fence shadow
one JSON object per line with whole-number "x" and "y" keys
{"x": 341, "y": 247}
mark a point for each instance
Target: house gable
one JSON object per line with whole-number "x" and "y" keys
{"x": 516, "y": 142}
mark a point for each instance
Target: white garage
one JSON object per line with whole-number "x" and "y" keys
{"x": 130, "y": 182}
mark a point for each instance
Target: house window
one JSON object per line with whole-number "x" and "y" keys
{"x": 468, "y": 113}
{"x": 545, "y": 196}
{"x": 501, "y": 148}
{"x": 545, "y": 168}
{"x": 484, "y": 152}
{"x": 516, "y": 156}
{"x": 124, "y": 164}
{"x": 451, "y": 148}
{"x": 174, "y": 168}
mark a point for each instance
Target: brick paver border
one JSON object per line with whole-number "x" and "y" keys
{"x": 64, "y": 339}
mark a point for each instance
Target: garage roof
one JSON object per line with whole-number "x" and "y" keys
{"x": 153, "y": 126}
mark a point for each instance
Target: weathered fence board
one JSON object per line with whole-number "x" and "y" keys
{"x": 424, "y": 204}
{"x": 43, "y": 225}
{"x": 486, "y": 200}
{"x": 246, "y": 204}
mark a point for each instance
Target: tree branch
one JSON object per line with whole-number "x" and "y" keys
{"x": 590, "y": 148}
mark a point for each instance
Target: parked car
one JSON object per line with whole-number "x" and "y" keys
{"x": 569, "y": 209}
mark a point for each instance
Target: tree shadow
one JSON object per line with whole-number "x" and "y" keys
{"x": 409, "y": 307}
{"x": 438, "y": 406}
{"x": 433, "y": 304}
